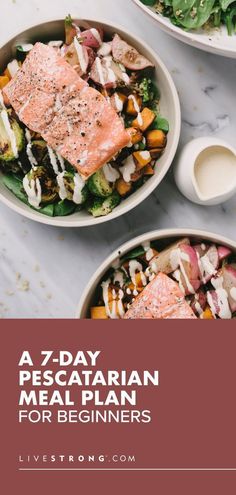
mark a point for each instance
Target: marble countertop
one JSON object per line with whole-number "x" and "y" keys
{"x": 43, "y": 270}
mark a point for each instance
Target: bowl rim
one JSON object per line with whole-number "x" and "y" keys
{"x": 129, "y": 203}
{"x": 181, "y": 35}
{"x": 132, "y": 243}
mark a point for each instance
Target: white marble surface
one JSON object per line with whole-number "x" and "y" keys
{"x": 43, "y": 269}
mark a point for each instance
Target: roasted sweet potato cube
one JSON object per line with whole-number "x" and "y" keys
{"x": 123, "y": 187}
{"x": 156, "y": 139}
{"x": 135, "y": 135}
{"x": 134, "y": 103}
{"x": 142, "y": 158}
{"x": 146, "y": 118}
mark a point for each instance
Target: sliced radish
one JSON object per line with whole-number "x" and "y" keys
{"x": 224, "y": 252}
{"x": 229, "y": 284}
{"x": 219, "y": 303}
{"x": 209, "y": 264}
{"x": 106, "y": 72}
{"x": 128, "y": 56}
{"x": 92, "y": 38}
{"x": 199, "y": 302}
{"x": 163, "y": 262}
{"x": 189, "y": 269}
{"x": 77, "y": 56}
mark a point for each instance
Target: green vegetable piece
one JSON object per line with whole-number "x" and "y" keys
{"x": 49, "y": 186}
{"x": 102, "y": 207}
{"x": 192, "y": 14}
{"x": 14, "y": 184}
{"x": 69, "y": 183}
{"x": 161, "y": 124}
{"x": 98, "y": 185}
{"x": 6, "y": 151}
{"x": 64, "y": 208}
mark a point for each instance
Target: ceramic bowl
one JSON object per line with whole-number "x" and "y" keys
{"x": 215, "y": 41}
{"x": 169, "y": 107}
{"x": 164, "y": 237}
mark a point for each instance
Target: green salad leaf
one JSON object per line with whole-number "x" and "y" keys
{"x": 192, "y": 14}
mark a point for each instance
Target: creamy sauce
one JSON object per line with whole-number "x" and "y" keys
{"x": 145, "y": 155}
{"x": 79, "y": 185}
{"x": 61, "y": 184}
{"x": 100, "y": 71}
{"x": 10, "y": 133}
{"x": 222, "y": 309}
{"x": 53, "y": 160}
{"x": 118, "y": 277}
{"x": 137, "y": 109}
{"x": 13, "y": 67}
{"x": 176, "y": 260}
{"x": 233, "y": 293}
{"x": 56, "y": 43}
{"x": 134, "y": 268}
{"x": 148, "y": 250}
{"x": 80, "y": 53}
{"x": 206, "y": 268}
{"x": 29, "y": 152}
{"x": 215, "y": 171}
{"x": 7, "y": 126}
{"x": 128, "y": 169}
{"x": 111, "y": 174}
{"x": 96, "y": 35}
{"x": 104, "y": 50}
{"x": 118, "y": 103}
{"x": 33, "y": 190}
{"x": 111, "y": 77}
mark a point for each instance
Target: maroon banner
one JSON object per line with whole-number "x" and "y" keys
{"x": 180, "y": 428}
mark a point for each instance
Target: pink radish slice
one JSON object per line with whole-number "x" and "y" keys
{"x": 91, "y": 55}
{"x": 190, "y": 275}
{"x": 128, "y": 56}
{"x": 224, "y": 252}
{"x": 209, "y": 263}
{"x": 106, "y": 72}
{"x": 92, "y": 38}
{"x": 73, "y": 59}
{"x": 199, "y": 302}
{"x": 229, "y": 284}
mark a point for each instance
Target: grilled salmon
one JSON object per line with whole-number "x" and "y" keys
{"x": 77, "y": 121}
{"x": 161, "y": 299}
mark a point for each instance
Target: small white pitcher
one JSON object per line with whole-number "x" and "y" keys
{"x": 185, "y": 171}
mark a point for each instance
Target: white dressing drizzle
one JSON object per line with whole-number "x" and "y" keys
{"x": 111, "y": 174}
{"x": 148, "y": 250}
{"x": 233, "y": 293}
{"x": 104, "y": 50}
{"x": 61, "y": 184}
{"x": 53, "y": 160}
{"x": 128, "y": 168}
{"x": 223, "y": 303}
{"x": 118, "y": 277}
{"x": 100, "y": 71}
{"x": 137, "y": 109}
{"x": 78, "y": 187}
{"x": 176, "y": 260}
{"x": 134, "y": 268}
{"x": 13, "y": 67}
{"x": 29, "y": 152}
{"x": 80, "y": 53}
{"x": 96, "y": 35}
{"x": 10, "y": 133}
{"x": 6, "y": 122}
{"x": 33, "y": 190}
{"x": 118, "y": 103}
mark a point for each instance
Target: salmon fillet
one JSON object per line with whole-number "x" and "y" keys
{"x": 161, "y": 299}
{"x": 75, "y": 120}
{"x": 87, "y": 132}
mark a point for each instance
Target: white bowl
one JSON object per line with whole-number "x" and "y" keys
{"x": 217, "y": 41}
{"x": 164, "y": 236}
{"x": 169, "y": 107}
